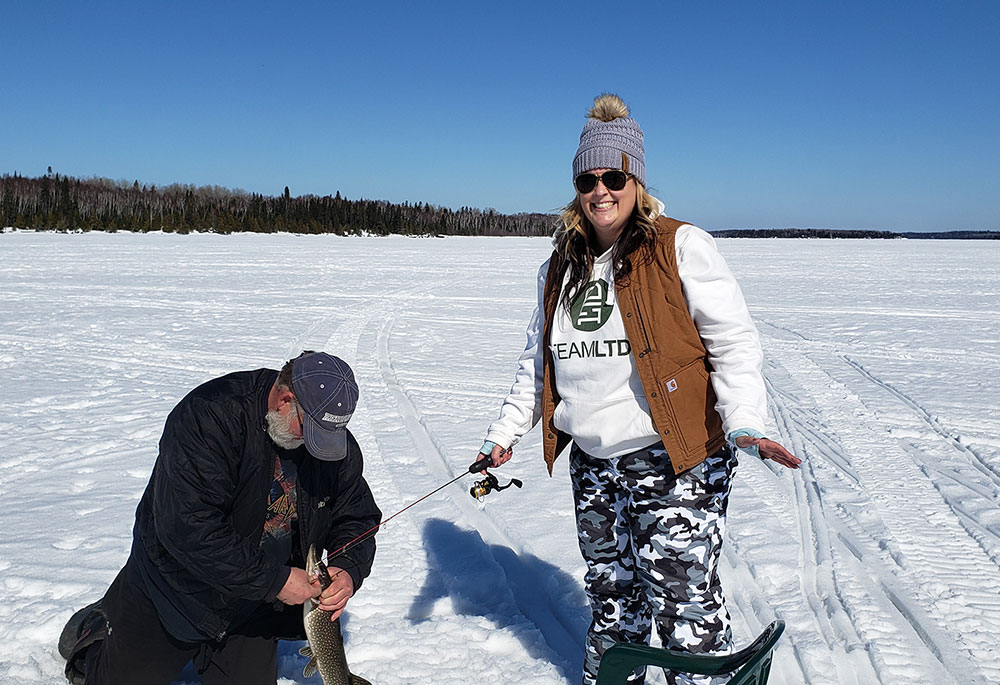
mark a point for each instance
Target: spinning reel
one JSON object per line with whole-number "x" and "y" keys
{"x": 483, "y": 487}
{"x": 489, "y": 484}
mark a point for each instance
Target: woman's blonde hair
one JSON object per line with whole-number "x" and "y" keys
{"x": 574, "y": 234}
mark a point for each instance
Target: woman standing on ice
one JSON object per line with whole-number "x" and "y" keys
{"x": 643, "y": 354}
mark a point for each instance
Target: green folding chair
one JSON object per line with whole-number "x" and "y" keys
{"x": 751, "y": 664}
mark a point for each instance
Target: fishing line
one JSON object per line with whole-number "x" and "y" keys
{"x": 479, "y": 490}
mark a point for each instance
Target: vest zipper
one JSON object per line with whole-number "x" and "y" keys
{"x": 642, "y": 325}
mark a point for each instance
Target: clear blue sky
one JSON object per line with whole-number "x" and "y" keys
{"x": 880, "y": 115}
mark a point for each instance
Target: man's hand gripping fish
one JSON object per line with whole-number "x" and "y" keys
{"x": 326, "y": 644}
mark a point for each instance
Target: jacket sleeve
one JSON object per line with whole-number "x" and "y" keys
{"x": 194, "y": 488}
{"x": 353, "y": 512}
{"x": 522, "y": 407}
{"x": 720, "y": 313}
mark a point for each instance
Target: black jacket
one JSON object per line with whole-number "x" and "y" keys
{"x": 201, "y": 517}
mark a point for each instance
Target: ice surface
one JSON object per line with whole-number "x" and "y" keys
{"x": 882, "y": 553}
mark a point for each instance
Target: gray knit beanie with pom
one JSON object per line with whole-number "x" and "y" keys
{"x": 610, "y": 139}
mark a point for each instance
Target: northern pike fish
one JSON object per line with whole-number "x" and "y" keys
{"x": 326, "y": 643}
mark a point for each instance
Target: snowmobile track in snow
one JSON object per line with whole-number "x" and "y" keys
{"x": 918, "y": 521}
{"x": 988, "y": 470}
{"x": 526, "y": 587}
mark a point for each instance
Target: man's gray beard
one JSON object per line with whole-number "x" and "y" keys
{"x": 279, "y": 428}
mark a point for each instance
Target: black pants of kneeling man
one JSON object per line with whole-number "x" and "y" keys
{"x": 139, "y": 650}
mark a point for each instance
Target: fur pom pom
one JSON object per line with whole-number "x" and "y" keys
{"x": 608, "y": 107}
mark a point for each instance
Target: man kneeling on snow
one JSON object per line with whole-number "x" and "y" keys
{"x": 253, "y": 468}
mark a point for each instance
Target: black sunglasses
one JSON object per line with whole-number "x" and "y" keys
{"x": 612, "y": 180}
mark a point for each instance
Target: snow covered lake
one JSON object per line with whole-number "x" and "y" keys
{"x": 882, "y": 553}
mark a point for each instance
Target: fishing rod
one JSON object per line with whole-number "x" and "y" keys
{"x": 479, "y": 490}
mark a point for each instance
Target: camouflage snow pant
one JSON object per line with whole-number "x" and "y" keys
{"x": 651, "y": 541}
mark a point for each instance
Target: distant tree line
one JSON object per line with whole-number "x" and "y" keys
{"x": 846, "y": 233}
{"x": 800, "y": 233}
{"x": 57, "y": 202}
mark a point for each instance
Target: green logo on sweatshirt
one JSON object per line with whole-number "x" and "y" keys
{"x": 591, "y": 308}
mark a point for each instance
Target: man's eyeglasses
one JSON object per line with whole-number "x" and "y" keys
{"x": 612, "y": 180}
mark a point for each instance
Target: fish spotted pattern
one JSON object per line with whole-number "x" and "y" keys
{"x": 326, "y": 643}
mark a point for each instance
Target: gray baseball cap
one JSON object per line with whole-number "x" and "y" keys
{"x": 325, "y": 388}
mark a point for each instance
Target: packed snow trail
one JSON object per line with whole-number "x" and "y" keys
{"x": 881, "y": 553}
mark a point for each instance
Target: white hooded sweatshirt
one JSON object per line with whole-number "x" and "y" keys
{"x": 602, "y": 405}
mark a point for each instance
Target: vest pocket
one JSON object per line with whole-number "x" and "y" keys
{"x": 691, "y": 402}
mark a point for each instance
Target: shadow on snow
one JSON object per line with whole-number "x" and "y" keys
{"x": 494, "y": 582}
